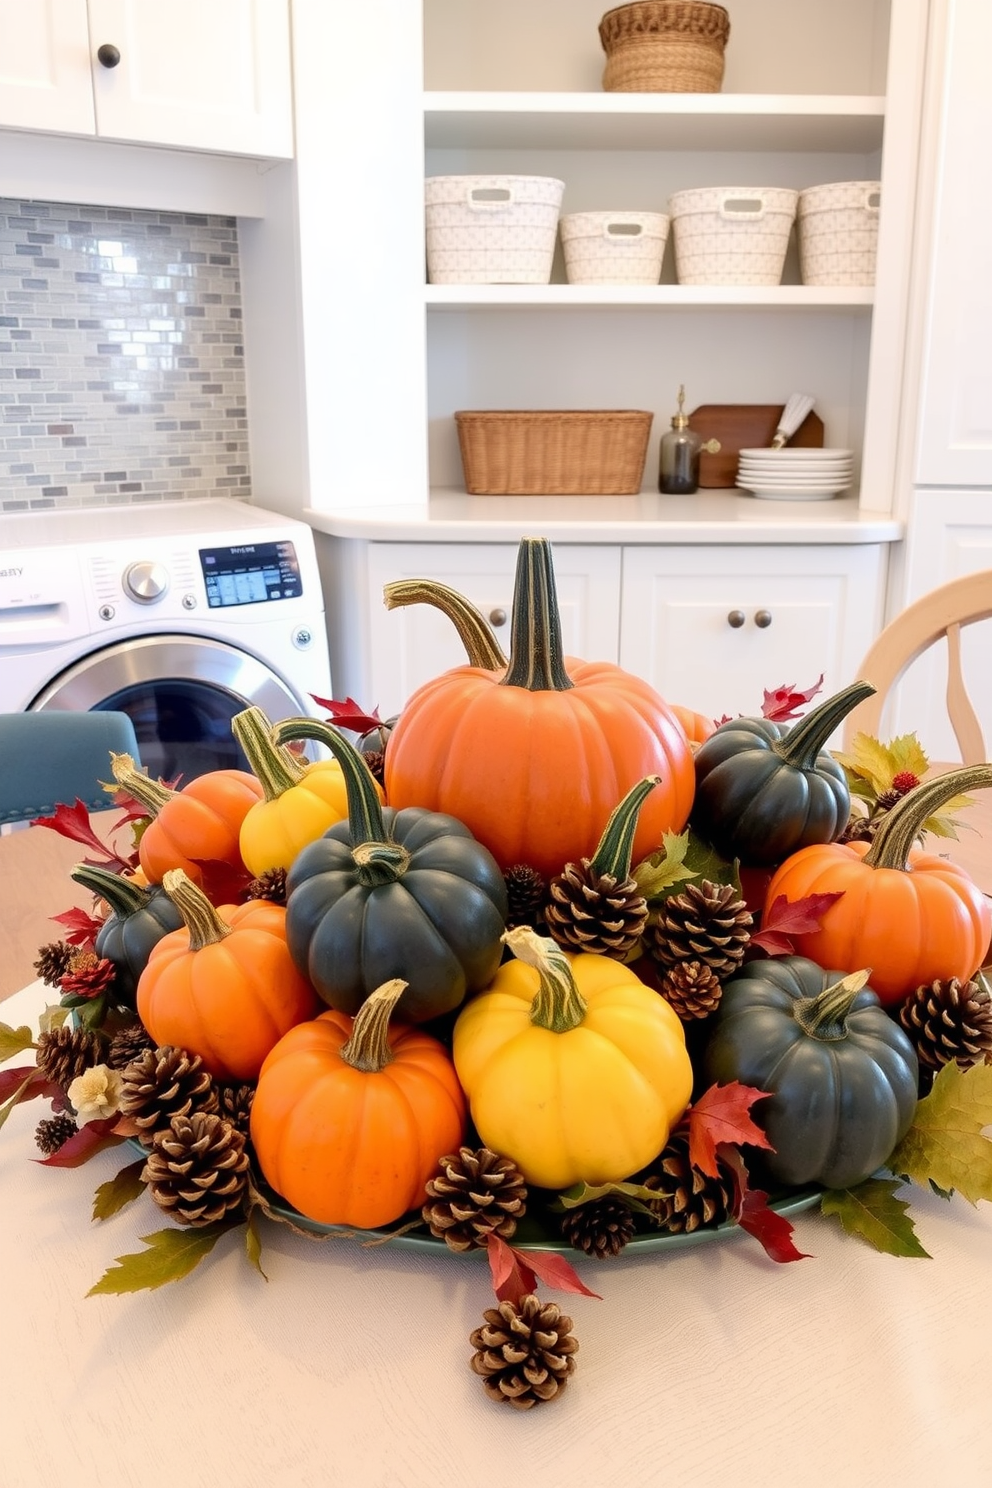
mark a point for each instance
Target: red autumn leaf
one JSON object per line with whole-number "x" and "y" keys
{"x": 88, "y": 1140}
{"x": 81, "y": 929}
{"x": 751, "y": 1211}
{"x": 719, "y": 1117}
{"x": 349, "y": 715}
{"x": 31, "y": 1078}
{"x": 515, "y": 1273}
{"x": 557, "y": 1273}
{"x": 74, "y": 822}
{"x": 789, "y": 917}
{"x": 781, "y": 703}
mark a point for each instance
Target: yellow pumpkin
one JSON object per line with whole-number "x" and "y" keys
{"x": 572, "y": 1066}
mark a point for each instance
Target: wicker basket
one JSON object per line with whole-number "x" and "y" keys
{"x": 664, "y": 46}
{"x": 598, "y": 452}
{"x": 838, "y": 232}
{"x": 491, "y": 229}
{"x": 613, "y": 247}
{"x": 732, "y": 234}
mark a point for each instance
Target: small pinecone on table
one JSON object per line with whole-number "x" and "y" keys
{"x": 687, "y": 1199}
{"x": 128, "y": 1043}
{"x": 472, "y": 1195}
{"x": 163, "y": 1083}
{"x": 53, "y": 961}
{"x": 706, "y": 922}
{"x": 526, "y": 890}
{"x": 63, "y": 1053}
{"x": 691, "y": 989}
{"x": 949, "y": 1020}
{"x": 600, "y": 1228}
{"x": 234, "y": 1104}
{"x": 197, "y": 1169}
{"x": 524, "y": 1352}
{"x": 269, "y": 885}
{"x": 592, "y": 911}
{"x": 53, "y": 1133}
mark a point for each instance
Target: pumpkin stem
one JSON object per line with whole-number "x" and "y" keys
{"x": 537, "y": 660}
{"x": 617, "y": 842}
{"x": 825, "y": 1015}
{"x": 379, "y": 862}
{"x": 276, "y": 768}
{"x": 124, "y": 896}
{"x": 804, "y": 741}
{"x": 204, "y": 924}
{"x": 151, "y": 794}
{"x": 367, "y": 1047}
{"x": 558, "y": 1004}
{"x": 899, "y": 828}
{"x": 474, "y": 631}
{"x": 364, "y": 809}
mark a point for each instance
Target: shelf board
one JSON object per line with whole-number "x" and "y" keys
{"x": 795, "y": 122}
{"x": 660, "y": 296}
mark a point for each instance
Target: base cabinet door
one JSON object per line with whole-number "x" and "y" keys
{"x": 713, "y": 627}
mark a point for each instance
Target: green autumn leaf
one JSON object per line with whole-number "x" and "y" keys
{"x": 639, "y": 1197}
{"x": 873, "y": 1213}
{"x": 945, "y": 1147}
{"x": 14, "y": 1041}
{"x": 119, "y": 1191}
{"x": 658, "y": 874}
{"x": 172, "y": 1254}
{"x": 52, "y": 1018}
{"x": 253, "y": 1241}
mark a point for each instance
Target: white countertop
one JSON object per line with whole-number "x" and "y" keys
{"x": 707, "y": 517}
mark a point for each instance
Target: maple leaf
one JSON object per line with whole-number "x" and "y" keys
{"x": 515, "y": 1273}
{"x": 74, "y": 822}
{"x": 781, "y": 703}
{"x": 719, "y": 1118}
{"x": 81, "y": 929}
{"x": 349, "y": 714}
{"x": 680, "y": 858}
{"x": 788, "y": 917}
{"x": 873, "y": 1213}
{"x": 752, "y": 1212}
{"x": 945, "y": 1146}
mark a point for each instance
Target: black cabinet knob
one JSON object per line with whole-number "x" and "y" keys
{"x": 736, "y": 618}
{"x": 107, "y": 55}
{"x": 497, "y": 617}
{"x": 762, "y": 619}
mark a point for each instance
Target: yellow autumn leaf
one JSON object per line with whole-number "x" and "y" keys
{"x": 945, "y": 1145}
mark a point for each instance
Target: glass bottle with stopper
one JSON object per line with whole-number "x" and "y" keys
{"x": 678, "y": 469}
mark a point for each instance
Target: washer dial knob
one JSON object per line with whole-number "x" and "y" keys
{"x": 145, "y": 582}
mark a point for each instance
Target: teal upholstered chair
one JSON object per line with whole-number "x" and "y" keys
{"x": 47, "y": 758}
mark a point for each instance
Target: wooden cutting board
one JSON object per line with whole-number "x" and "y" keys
{"x": 744, "y": 426}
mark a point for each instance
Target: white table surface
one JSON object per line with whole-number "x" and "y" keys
{"x": 705, "y": 1365}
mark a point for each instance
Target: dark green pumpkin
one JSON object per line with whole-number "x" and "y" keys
{"x": 386, "y": 894}
{"x": 138, "y": 920}
{"x": 842, "y": 1076}
{"x": 764, "y": 791}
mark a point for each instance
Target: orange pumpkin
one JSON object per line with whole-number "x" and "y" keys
{"x": 697, "y": 726}
{"x": 534, "y": 760}
{"x": 350, "y": 1116}
{"x": 225, "y": 986}
{"x": 909, "y": 915}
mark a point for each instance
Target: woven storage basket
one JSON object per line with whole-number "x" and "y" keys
{"x": 838, "y": 232}
{"x": 614, "y": 247}
{"x": 731, "y": 234}
{"x": 597, "y": 452}
{"x": 491, "y": 229}
{"x": 664, "y": 46}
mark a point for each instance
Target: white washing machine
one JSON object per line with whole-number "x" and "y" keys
{"x": 179, "y": 615}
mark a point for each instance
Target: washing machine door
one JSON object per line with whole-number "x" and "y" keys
{"x": 181, "y": 693}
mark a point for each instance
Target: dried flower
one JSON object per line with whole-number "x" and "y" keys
{"x": 88, "y": 975}
{"x": 96, "y": 1093}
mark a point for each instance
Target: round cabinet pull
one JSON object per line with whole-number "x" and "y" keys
{"x": 107, "y": 55}
{"x": 762, "y": 619}
{"x": 736, "y": 619}
{"x": 497, "y": 617}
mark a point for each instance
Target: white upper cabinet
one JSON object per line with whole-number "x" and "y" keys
{"x": 209, "y": 75}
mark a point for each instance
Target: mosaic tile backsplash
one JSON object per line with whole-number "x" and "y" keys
{"x": 121, "y": 357}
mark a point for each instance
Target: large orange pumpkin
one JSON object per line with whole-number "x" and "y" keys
{"x": 533, "y": 760}
{"x": 909, "y": 915}
{"x": 350, "y": 1116}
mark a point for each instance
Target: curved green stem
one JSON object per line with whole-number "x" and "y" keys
{"x": 899, "y": 828}
{"x": 151, "y": 794}
{"x": 825, "y": 1015}
{"x": 537, "y": 659}
{"x": 474, "y": 631}
{"x": 367, "y": 1047}
{"x": 365, "y": 820}
{"x": 558, "y": 1004}
{"x": 616, "y": 844}
{"x": 804, "y": 741}
{"x": 276, "y": 769}
{"x": 124, "y": 896}
{"x": 204, "y": 924}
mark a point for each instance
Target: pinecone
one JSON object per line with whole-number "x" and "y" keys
{"x": 162, "y": 1084}
{"x": 860, "y": 828}
{"x": 87, "y": 975}
{"x": 474, "y": 1195}
{"x": 949, "y": 1020}
{"x": 601, "y": 1227}
{"x": 234, "y": 1104}
{"x": 889, "y": 798}
{"x": 53, "y": 961}
{"x": 63, "y": 1053}
{"x": 706, "y": 922}
{"x": 268, "y": 885}
{"x": 688, "y": 1199}
{"x": 524, "y": 1352}
{"x": 526, "y": 891}
{"x": 692, "y": 990}
{"x": 128, "y": 1043}
{"x": 197, "y": 1170}
{"x": 591, "y": 911}
{"x": 375, "y": 760}
{"x": 54, "y": 1132}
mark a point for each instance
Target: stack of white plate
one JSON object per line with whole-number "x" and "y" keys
{"x": 795, "y": 474}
